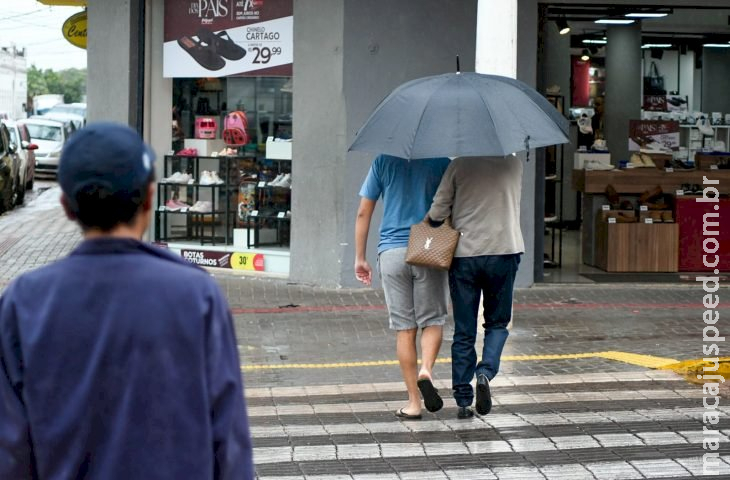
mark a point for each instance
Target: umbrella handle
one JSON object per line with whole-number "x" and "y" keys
{"x": 458, "y": 68}
{"x": 527, "y": 147}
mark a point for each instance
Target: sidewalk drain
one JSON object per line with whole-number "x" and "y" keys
{"x": 7, "y": 244}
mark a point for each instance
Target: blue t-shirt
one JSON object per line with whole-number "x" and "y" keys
{"x": 407, "y": 188}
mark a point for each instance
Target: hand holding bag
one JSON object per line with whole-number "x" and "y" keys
{"x": 432, "y": 246}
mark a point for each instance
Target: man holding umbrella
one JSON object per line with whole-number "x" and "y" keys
{"x": 482, "y": 197}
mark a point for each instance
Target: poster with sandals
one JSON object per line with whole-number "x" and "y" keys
{"x": 220, "y": 38}
{"x": 653, "y": 135}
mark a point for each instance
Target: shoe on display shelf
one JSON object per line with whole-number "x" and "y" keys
{"x": 206, "y": 178}
{"x": 202, "y": 206}
{"x": 275, "y": 181}
{"x": 704, "y": 127}
{"x": 188, "y": 152}
{"x": 284, "y": 182}
{"x": 216, "y": 179}
{"x": 175, "y": 205}
{"x": 179, "y": 178}
{"x": 597, "y": 165}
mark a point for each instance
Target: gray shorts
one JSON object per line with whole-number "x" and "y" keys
{"x": 416, "y": 296}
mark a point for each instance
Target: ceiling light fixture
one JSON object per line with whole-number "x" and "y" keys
{"x": 657, "y": 45}
{"x": 615, "y": 21}
{"x": 595, "y": 42}
{"x": 717, "y": 45}
{"x": 563, "y": 26}
{"x": 585, "y": 55}
{"x": 646, "y": 15}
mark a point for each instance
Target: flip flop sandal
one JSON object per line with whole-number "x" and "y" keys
{"x": 223, "y": 44}
{"x": 203, "y": 54}
{"x": 431, "y": 397}
{"x": 406, "y": 416}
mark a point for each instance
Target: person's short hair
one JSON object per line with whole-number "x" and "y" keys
{"x": 97, "y": 206}
{"x": 105, "y": 171}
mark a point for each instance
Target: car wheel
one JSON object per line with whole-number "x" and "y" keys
{"x": 20, "y": 195}
{"x": 6, "y": 199}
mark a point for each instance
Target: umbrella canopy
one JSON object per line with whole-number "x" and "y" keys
{"x": 461, "y": 114}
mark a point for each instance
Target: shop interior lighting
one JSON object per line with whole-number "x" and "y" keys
{"x": 615, "y": 21}
{"x": 657, "y": 45}
{"x": 646, "y": 15}
{"x": 563, "y": 26}
{"x": 586, "y": 55}
{"x": 595, "y": 42}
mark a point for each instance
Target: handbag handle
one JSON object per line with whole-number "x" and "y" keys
{"x": 427, "y": 220}
{"x": 654, "y": 70}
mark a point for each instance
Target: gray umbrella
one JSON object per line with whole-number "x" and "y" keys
{"x": 461, "y": 114}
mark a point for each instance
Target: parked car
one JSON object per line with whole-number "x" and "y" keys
{"x": 9, "y": 167}
{"x": 73, "y": 112}
{"x": 50, "y": 136}
{"x": 25, "y": 150}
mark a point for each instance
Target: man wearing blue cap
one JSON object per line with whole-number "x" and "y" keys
{"x": 119, "y": 361}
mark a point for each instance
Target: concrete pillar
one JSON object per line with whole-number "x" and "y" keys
{"x": 715, "y": 75}
{"x": 114, "y": 91}
{"x": 496, "y": 51}
{"x": 347, "y": 57}
{"x": 623, "y": 86}
{"x": 506, "y": 41}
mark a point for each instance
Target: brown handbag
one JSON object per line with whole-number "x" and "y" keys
{"x": 432, "y": 246}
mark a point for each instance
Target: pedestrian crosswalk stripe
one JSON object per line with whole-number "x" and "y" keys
{"x": 265, "y": 455}
{"x": 497, "y": 421}
{"x": 499, "y": 381}
{"x": 648, "y": 361}
{"x": 511, "y": 399}
{"x": 681, "y": 466}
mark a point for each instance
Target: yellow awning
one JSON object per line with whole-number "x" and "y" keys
{"x": 64, "y": 3}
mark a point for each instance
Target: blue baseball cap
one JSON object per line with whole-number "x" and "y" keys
{"x": 107, "y": 155}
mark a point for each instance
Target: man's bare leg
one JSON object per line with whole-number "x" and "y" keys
{"x": 408, "y": 359}
{"x": 431, "y": 338}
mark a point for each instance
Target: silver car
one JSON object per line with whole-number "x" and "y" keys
{"x": 24, "y": 149}
{"x": 50, "y": 136}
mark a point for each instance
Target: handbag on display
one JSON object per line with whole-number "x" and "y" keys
{"x": 432, "y": 246}
{"x": 654, "y": 83}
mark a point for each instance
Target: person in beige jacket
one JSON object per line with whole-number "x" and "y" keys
{"x": 482, "y": 196}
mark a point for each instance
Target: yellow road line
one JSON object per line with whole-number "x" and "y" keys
{"x": 647, "y": 361}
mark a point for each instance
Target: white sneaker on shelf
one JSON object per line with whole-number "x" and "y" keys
{"x": 174, "y": 178}
{"x": 285, "y": 182}
{"x": 703, "y": 125}
{"x": 202, "y": 206}
{"x": 596, "y": 165}
{"x": 206, "y": 178}
{"x": 216, "y": 179}
{"x": 275, "y": 182}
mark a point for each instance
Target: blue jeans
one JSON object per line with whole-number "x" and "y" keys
{"x": 468, "y": 278}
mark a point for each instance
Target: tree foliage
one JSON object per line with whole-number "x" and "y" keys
{"x": 71, "y": 83}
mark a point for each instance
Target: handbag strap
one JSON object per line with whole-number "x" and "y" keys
{"x": 447, "y": 222}
{"x": 654, "y": 70}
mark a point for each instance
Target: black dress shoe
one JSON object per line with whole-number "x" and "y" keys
{"x": 464, "y": 413}
{"x": 484, "y": 396}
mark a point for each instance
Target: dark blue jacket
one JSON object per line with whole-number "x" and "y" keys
{"x": 120, "y": 362}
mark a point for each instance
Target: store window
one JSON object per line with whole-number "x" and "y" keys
{"x": 225, "y": 196}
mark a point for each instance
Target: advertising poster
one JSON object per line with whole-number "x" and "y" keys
{"x": 653, "y": 135}
{"x": 236, "y": 261}
{"x": 220, "y": 38}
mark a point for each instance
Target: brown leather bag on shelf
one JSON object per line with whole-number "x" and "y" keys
{"x": 432, "y": 246}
